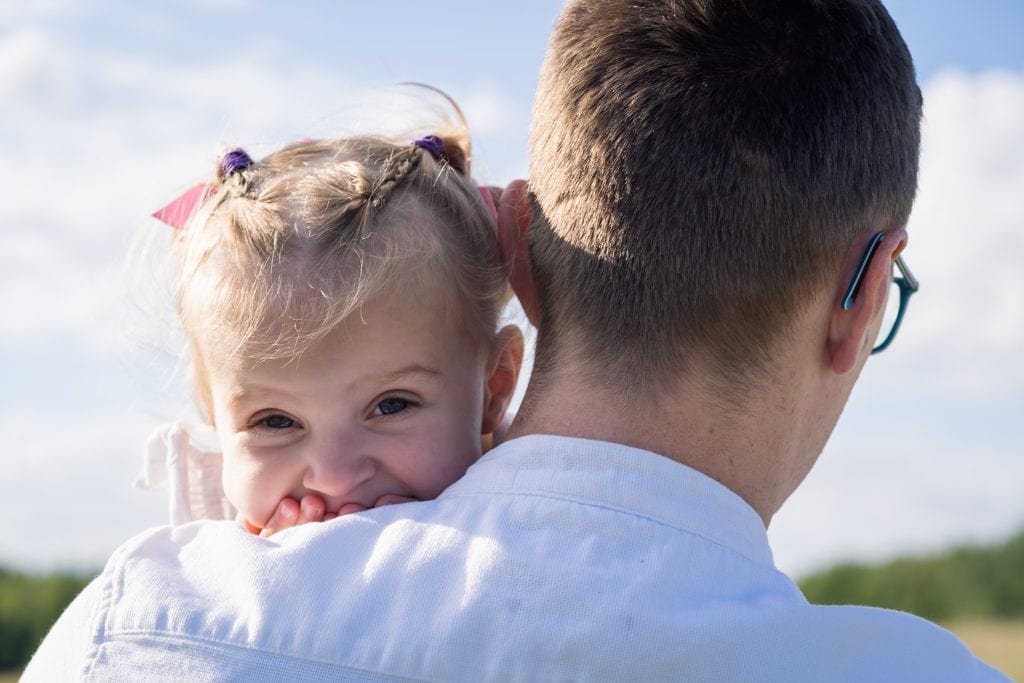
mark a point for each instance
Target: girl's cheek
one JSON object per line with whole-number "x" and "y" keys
{"x": 232, "y": 491}
{"x": 446, "y": 463}
{"x": 241, "y": 487}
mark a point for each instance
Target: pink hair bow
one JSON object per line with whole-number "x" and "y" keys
{"x": 177, "y": 213}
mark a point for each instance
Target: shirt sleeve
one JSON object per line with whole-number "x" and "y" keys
{"x": 65, "y": 650}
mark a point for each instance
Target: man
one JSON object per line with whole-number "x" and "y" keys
{"x": 717, "y": 200}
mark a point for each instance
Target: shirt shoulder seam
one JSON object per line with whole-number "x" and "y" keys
{"x": 609, "y": 508}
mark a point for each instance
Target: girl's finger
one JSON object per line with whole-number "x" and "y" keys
{"x": 285, "y": 516}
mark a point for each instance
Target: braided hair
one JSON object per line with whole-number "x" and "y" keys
{"x": 289, "y": 246}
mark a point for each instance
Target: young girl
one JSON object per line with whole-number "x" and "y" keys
{"x": 341, "y": 303}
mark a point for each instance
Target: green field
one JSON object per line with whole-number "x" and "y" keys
{"x": 1000, "y": 643}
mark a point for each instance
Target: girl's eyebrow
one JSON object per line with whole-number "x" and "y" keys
{"x": 244, "y": 394}
{"x": 254, "y": 392}
{"x": 415, "y": 369}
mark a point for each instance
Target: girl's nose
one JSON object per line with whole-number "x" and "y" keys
{"x": 336, "y": 468}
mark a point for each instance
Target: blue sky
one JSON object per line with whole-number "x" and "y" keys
{"x": 111, "y": 108}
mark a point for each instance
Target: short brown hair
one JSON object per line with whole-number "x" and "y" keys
{"x": 289, "y": 246}
{"x": 700, "y": 167}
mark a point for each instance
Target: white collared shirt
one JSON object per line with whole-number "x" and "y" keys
{"x": 552, "y": 559}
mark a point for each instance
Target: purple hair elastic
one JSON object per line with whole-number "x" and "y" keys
{"x": 432, "y": 144}
{"x": 235, "y": 160}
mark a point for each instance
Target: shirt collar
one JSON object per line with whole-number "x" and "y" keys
{"x": 615, "y": 476}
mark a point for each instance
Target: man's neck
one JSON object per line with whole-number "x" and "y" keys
{"x": 761, "y": 452}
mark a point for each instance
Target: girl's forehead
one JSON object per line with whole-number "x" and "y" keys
{"x": 393, "y": 341}
{"x": 394, "y": 325}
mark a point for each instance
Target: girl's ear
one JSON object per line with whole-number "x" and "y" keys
{"x": 503, "y": 366}
{"x": 850, "y": 330}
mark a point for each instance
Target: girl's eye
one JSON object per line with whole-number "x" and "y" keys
{"x": 278, "y": 422}
{"x": 390, "y": 406}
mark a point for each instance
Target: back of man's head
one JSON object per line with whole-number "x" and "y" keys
{"x": 700, "y": 168}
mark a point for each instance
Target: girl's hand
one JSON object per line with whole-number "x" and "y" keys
{"x": 312, "y": 508}
{"x": 289, "y": 513}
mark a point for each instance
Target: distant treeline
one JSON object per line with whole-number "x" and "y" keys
{"x": 28, "y": 607}
{"x": 967, "y": 582}
{"x": 980, "y": 582}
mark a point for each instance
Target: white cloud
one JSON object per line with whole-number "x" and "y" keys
{"x": 967, "y": 236}
{"x": 21, "y": 12}
{"x": 69, "y": 501}
{"x": 22, "y": 54}
{"x": 499, "y": 125}
{"x": 70, "y": 297}
{"x": 489, "y": 109}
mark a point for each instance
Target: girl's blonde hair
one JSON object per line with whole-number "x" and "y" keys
{"x": 288, "y": 247}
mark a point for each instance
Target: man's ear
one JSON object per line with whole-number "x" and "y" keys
{"x": 503, "y": 366}
{"x": 514, "y": 216}
{"x": 853, "y": 329}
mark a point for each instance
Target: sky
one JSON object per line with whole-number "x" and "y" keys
{"x": 111, "y": 108}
